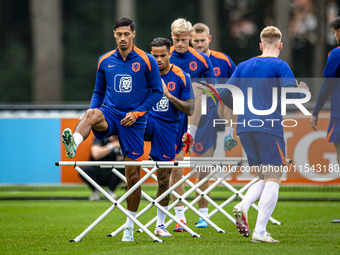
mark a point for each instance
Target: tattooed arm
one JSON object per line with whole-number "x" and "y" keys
{"x": 185, "y": 106}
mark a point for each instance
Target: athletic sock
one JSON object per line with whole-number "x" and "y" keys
{"x": 78, "y": 138}
{"x": 179, "y": 210}
{"x": 266, "y": 207}
{"x": 130, "y": 223}
{"x": 229, "y": 131}
{"x": 204, "y": 211}
{"x": 253, "y": 194}
{"x": 192, "y": 130}
{"x": 161, "y": 216}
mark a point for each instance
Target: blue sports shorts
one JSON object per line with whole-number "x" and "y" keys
{"x": 333, "y": 132}
{"x": 162, "y": 135}
{"x": 131, "y": 139}
{"x": 263, "y": 148}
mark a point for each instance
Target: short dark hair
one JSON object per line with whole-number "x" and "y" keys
{"x": 123, "y": 22}
{"x": 335, "y": 24}
{"x": 160, "y": 41}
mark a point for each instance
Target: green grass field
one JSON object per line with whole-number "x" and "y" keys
{"x": 45, "y": 227}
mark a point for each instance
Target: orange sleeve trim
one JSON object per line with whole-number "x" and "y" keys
{"x": 331, "y": 51}
{"x": 105, "y": 56}
{"x": 178, "y": 71}
{"x": 199, "y": 56}
{"x": 330, "y": 133}
{"x": 220, "y": 55}
{"x": 138, "y": 114}
{"x": 143, "y": 55}
{"x": 281, "y": 154}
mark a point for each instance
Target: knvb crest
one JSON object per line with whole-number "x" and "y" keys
{"x": 171, "y": 85}
{"x": 123, "y": 83}
{"x": 217, "y": 71}
{"x": 162, "y": 105}
{"x": 193, "y": 65}
{"x": 136, "y": 67}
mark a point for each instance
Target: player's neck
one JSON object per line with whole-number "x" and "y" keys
{"x": 125, "y": 53}
{"x": 270, "y": 53}
{"x": 166, "y": 70}
{"x": 208, "y": 53}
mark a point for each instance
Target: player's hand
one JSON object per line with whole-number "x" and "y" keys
{"x": 188, "y": 143}
{"x": 314, "y": 122}
{"x": 303, "y": 85}
{"x": 128, "y": 120}
{"x": 165, "y": 90}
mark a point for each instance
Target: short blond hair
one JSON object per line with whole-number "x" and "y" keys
{"x": 271, "y": 35}
{"x": 180, "y": 25}
{"x": 201, "y": 28}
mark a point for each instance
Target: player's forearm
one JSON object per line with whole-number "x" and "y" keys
{"x": 150, "y": 102}
{"x": 183, "y": 106}
{"x": 325, "y": 91}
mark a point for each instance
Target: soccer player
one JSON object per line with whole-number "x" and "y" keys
{"x": 197, "y": 65}
{"x": 128, "y": 84}
{"x": 331, "y": 85}
{"x": 164, "y": 118}
{"x": 206, "y": 136}
{"x": 263, "y": 144}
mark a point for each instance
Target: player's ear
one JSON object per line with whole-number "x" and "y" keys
{"x": 210, "y": 36}
{"x": 133, "y": 34}
{"x": 281, "y": 46}
{"x": 261, "y": 47}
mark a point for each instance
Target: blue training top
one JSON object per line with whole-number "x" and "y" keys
{"x": 262, "y": 74}
{"x": 130, "y": 85}
{"x": 330, "y": 85}
{"x": 178, "y": 84}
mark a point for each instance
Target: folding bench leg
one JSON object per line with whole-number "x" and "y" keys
{"x": 116, "y": 204}
{"x": 183, "y": 200}
{"x": 155, "y": 202}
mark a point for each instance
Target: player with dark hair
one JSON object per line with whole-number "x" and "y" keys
{"x": 197, "y": 65}
{"x": 331, "y": 86}
{"x": 128, "y": 84}
{"x": 164, "y": 118}
{"x": 263, "y": 144}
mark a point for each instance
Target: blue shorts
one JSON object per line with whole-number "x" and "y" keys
{"x": 131, "y": 139}
{"x": 263, "y": 148}
{"x": 333, "y": 132}
{"x": 182, "y": 128}
{"x": 206, "y": 135}
{"x": 162, "y": 135}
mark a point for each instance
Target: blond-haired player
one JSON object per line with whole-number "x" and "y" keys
{"x": 197, "y": 65}
{"x": 263, "y": 144}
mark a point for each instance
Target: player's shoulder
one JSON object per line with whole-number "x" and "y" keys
{"x": 220, "y": 55}
{"x": 180, "y": 73}
{"x": 198, "y": 55}
{"x": 335, "y": 52}
{"x": 105, "y": 56}
{"x": 145, "y": 57}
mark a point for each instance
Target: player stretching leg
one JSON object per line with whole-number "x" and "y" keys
{"x": 331, "y": 85}
{"x": 264, "y": 145}
{"x": 117, "y": 107}
{"x": 164, "y": 118}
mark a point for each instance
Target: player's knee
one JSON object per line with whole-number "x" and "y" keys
{"x": 93, "y": 115}
{"x": 176, "y": 173}
{"x": 132, "y": 178}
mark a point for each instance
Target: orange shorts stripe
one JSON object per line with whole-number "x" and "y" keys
{"x": 281, "y": 154}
